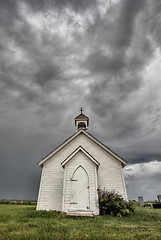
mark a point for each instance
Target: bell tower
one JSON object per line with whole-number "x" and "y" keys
{"x": 81, "y": 121}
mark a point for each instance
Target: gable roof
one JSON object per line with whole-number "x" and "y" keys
{"x": 79, "y": 149}
{"x": 40, "y": 163}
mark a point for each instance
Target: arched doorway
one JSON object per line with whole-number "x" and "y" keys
{"x": 80, "y": 190}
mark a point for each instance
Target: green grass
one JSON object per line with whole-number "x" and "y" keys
{"x": 24, "y": 222}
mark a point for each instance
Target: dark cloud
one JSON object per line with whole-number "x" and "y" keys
{"x": 125, "y": 24}
{"x": 81, "y": 5}
{"x": 99, "y": 62}
{"x": 47, "y": 73}
{"x": 58, "y": 56}
{"x": 154, "y": 20}
{"x": 9, "y": 12}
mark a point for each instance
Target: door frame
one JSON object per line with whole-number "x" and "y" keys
{"x": 90, "y": 165}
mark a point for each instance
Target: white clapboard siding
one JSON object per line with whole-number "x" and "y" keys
{"x": 110, "y": 174}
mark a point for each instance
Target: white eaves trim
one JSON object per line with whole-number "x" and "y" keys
{"x": 106, "y": 148}
{"x": 89, "y": 136}
{"x": 58, "y": 148}
{"x": 75, "y": 152}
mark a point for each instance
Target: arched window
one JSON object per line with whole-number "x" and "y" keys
{"x": 81, "y": 125}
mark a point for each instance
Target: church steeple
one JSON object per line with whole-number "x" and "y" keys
{"x": 81, "y": 121}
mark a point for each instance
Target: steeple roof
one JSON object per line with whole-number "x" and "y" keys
{"x": 83, "y": 117}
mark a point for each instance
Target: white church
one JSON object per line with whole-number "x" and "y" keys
{"x": 73, "y": 172}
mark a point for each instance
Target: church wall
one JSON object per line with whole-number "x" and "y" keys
{"x": 110, "y": 174}
{"x": 51, "y": 188}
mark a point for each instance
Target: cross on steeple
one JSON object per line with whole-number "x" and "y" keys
{"x": 81, "y": 110}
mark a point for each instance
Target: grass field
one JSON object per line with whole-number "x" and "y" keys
{"x": 23, "y": 222}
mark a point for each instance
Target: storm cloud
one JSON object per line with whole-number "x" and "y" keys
{"x": 58, "y": 56}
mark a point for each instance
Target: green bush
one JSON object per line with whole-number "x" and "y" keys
{"x": 4, "y": 202}
{"x": 111, "y": 203}
{"x": 18, "y": 202}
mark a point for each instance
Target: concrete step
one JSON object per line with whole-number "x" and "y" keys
{"x": 76, "y": 213}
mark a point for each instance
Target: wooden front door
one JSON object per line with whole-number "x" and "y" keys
{"x": 80, "y": 190}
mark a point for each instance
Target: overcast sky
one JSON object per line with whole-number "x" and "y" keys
{"x": 59, "y": 55}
